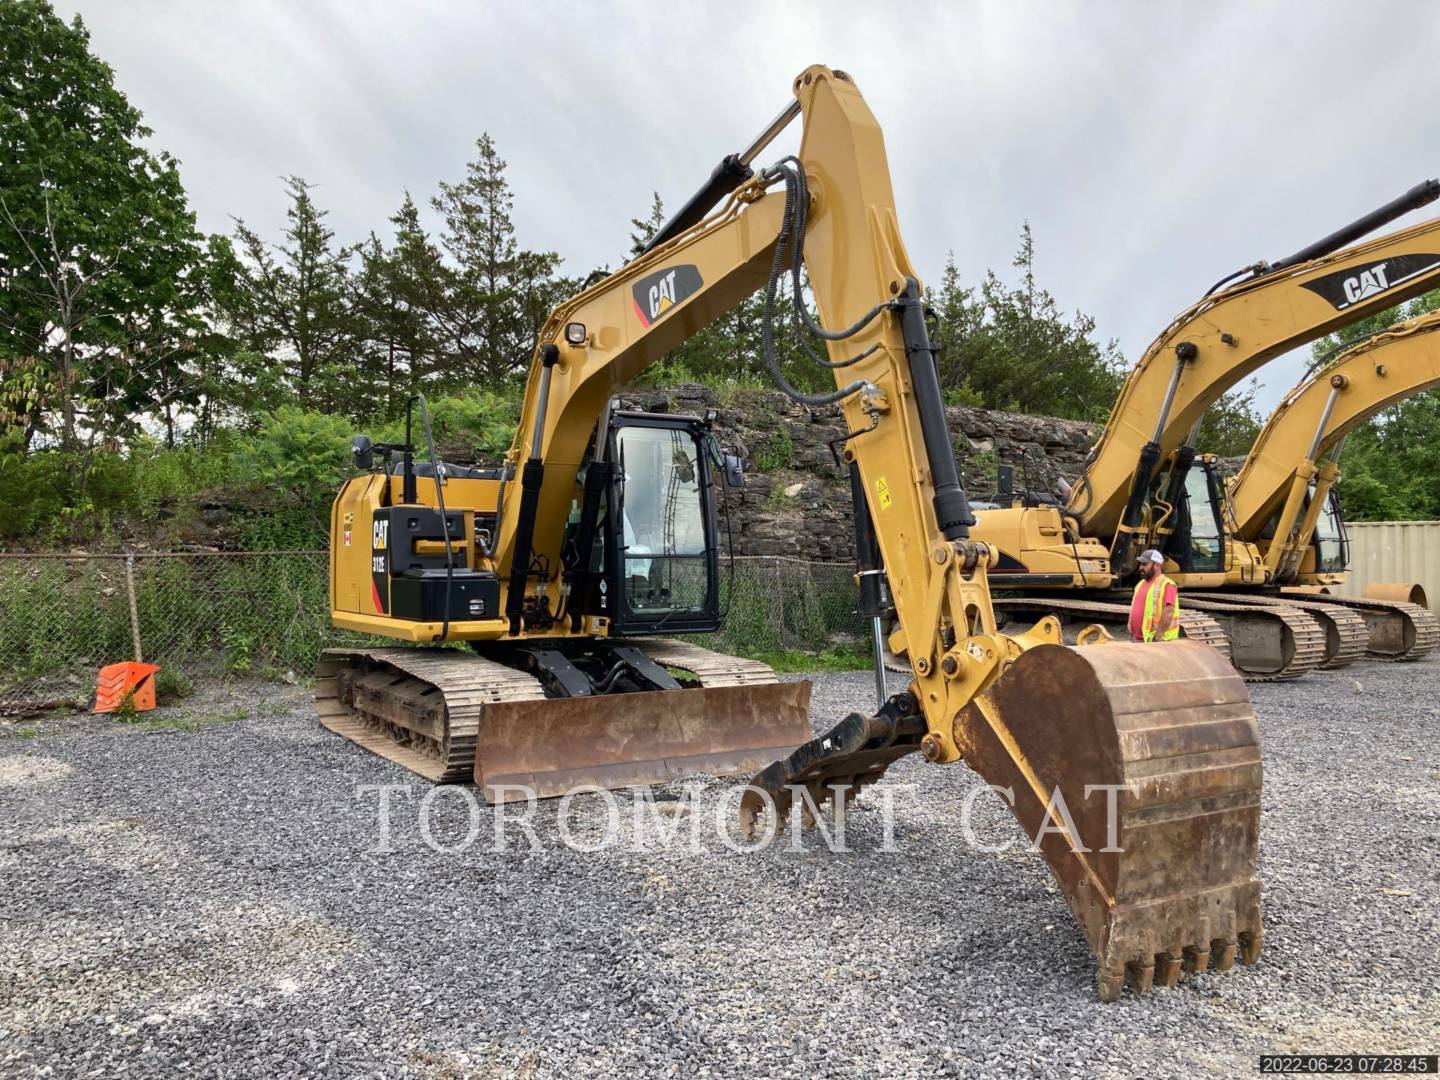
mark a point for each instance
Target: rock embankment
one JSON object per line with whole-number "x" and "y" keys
{"x": 796, "y": 499}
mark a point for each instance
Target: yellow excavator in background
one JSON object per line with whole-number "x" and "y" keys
{"x": 600, "y": 526}
{"x": 1282, "y": 502}
{"x": 1139, "y": 489}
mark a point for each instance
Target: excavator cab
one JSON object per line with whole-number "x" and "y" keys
{"x": 1196, "y": 541}
{"x": 1331, "y": 544}
{"x": 660, "y": 560}
{"x": 1324, "y": 560}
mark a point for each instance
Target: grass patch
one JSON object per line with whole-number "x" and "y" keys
{"x": 800, "y": 662}
{"x": 25, "y": 732}
{"x": 777, "y": 453}
{"x": 189, "y": 724}
{"x": 172, "y": 685}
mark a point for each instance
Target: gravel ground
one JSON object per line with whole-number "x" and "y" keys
{"x": 204, "y": 893}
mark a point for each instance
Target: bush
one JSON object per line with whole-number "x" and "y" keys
{"x": 777, "y": 453}
{"x": 481, "y": 424}
{"x": 172, "y": 685}
{"x": 295, "y": 450}
{"x": 50, "y": 492}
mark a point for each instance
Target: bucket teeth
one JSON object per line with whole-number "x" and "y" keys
{"x": 1250, "y": 947}
{"x": 1164, "y": 969}
{"x": 1222, "y": 951}
{"x": 1167, "y": 969}
{"x": 1197, "y": 960}
{"x": 1142, "y": 977}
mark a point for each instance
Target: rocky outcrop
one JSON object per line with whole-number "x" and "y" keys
{"x": 796, "y": 499}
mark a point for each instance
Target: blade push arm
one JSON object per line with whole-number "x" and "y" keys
{"x": 1227, "y": 336}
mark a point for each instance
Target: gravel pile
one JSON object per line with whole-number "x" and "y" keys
{"x": 208, "y": 893}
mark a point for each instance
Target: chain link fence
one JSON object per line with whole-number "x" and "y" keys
{"x": 227, "y": 614}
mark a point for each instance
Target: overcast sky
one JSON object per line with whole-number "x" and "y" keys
{"x": 1154, "y": 147}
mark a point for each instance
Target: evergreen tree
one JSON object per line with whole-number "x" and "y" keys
{"x": 644, "y": 229}
{"x": 291, "y": 305}
{"x": 400, "y": 296}
{"x": 499, "y": 293}
{"x": 1011, "y": 347}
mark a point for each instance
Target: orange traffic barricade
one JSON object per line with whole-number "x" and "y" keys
{"x": 130, "y": 679}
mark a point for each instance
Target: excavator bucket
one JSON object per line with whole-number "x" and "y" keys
{"x": 553, "y": 746}
{"x": 1166, "y": 881}
{"x": 1137, "y": 767}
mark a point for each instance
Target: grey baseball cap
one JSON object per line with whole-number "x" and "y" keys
{"x": 1151, "y": 555}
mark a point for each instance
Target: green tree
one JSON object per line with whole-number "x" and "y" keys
{"x": 1231, "y": 424}
{"x": 399, "y": 296}
{"x": 499, "y": 293}
{"x": 1011, "y": 347}
{"x": 291, "y": 304}
{"x": 644, "y": 229}
{"x": 101, "y": 268}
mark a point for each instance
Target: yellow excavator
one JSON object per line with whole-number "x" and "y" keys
{"x": 1136, "y": 768}
{"x": 1063, "y": 555}
{"x": 1282, "y": 501}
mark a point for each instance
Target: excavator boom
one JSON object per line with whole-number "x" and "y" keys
{"x": 1227, "y": 335}
{"x": 1316, "y": 415}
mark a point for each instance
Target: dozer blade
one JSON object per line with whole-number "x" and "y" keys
{"x": 1167, "y": 728}
{"x": 1168, "y": 880}
{"x": 556, "y": 745}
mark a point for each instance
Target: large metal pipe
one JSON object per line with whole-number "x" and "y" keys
{"x": 1337, "y": 383}
{"x": 733, "y": 170}
{"x": 532, "y": 477}
{"x": 952, "y": 505}
{"x": 771, "y": 132}
{"x": 1185, "y": 351}
{"x": 1420, "y": 195}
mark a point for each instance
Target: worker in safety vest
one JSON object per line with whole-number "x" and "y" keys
{"x": 1155, "y": 610}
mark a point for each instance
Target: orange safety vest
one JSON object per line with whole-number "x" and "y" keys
{"x": 1153, "y": 599}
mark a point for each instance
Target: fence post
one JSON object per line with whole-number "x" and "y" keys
{"x": 134, "y": 610}
{"x": 782, "y": 633}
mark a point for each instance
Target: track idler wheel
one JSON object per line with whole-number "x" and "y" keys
{"x": 1138, "y": 767}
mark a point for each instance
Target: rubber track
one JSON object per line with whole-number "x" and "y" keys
{"x": 1427, "y": 626}
{"x": 1354, "y": 635}
{"x": 1193, "y": 625}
